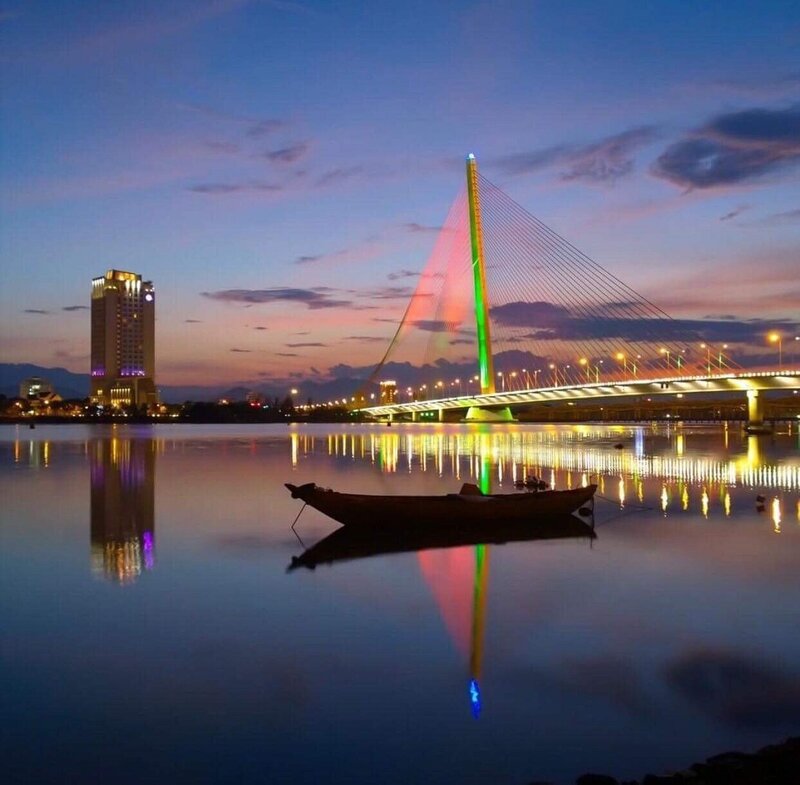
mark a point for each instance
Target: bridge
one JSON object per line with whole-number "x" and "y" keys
{"x": 508, "y": 315}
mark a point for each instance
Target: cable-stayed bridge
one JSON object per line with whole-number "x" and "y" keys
{"x": 507, "y": 314}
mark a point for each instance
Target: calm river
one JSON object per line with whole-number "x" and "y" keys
{"x": 150, "y": 631}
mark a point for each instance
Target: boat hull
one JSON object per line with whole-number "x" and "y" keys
{"x": 361, "y": 510}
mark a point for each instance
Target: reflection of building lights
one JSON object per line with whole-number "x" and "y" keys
{"x": 776, "y": 514}
{"x": 568, "y": 457}
{"x": 664, "y": 498}
{"x": 704, "y": 503}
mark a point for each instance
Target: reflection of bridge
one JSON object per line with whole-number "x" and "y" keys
{"x": 566, "y": 456}
{"x": 591, "y": 336}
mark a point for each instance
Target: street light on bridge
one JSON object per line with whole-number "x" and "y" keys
{"x": 721, "y": 356}
{"x": 502, "y": 380}
{"x": 624, "y": 360}
{"x": 585, "y": 362}
{"x": 708, "y": 355}
{"x": 666, "y": 352}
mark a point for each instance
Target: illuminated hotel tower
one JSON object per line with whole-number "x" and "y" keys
{"x": 123, "y": 340}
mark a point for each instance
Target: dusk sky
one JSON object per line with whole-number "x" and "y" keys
{"x": 278, "y": 169}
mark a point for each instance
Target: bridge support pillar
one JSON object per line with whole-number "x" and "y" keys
{"x": 413, "y": 416}
{"x": 755, "y": 413}
{"x": 441, "y": 415}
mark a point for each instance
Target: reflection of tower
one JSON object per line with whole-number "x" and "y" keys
{"x": 458, "y": 578}
{"x": 478, "y": 625}
{"x": 451, "y": 574}
{"x": 122, "y": 473}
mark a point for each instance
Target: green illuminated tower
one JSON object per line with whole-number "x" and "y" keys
{"x": 479, "y": 278}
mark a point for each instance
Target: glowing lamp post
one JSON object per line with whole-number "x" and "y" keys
{"x": 555, "y": 374}
{"x": 708, "y": 355}
{"x": 778, "y": 338}
{"x": 665, "y": 352}
{"x": 624, "y": 360}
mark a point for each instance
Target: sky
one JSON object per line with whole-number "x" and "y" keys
{"x": 279, "y": 169}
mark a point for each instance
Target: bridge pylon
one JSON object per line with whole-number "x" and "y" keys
{"x": 485, "y": 364}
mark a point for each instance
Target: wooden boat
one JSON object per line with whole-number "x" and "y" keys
{"x": 361, "y": 542}
{"x": 470, "y": 506}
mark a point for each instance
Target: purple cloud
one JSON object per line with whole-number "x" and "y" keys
{"x": 230, "y": 188}
{"x": 340, "y": 175}
{"x": 603, "y": 161}
{"x": 312, "y": 299}
{"x": 365, "y": 338}
{"x": 288, "y": 155}
{"x": 417, "y": 228}
{"x": 733, "y": 213}
{"x": 734, "y": 148}
{"x": 402, "y": 274}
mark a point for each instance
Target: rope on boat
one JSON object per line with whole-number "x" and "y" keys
{"x": 628, "y": 509}
{"x": 626, "y": 505}
{"x": 302, "y": 544}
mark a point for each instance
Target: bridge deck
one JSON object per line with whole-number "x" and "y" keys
{"x": 669, "y": 385}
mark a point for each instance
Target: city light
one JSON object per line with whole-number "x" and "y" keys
{"x": 776, "y": 337}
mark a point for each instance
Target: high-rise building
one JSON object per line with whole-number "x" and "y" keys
{"x": 388, "y": 392}
{"x": 123, "y": 340}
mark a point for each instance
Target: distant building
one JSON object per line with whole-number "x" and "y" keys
{"x": 34, "y": 388}
{"x": 388, "y": 392}
{"x": 123, "y": 340}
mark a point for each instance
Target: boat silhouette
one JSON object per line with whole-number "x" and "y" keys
{"x": 350, "y": 543}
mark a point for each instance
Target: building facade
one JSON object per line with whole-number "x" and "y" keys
{"x": 123, "y": 340}
{"x": 35, "y": 387}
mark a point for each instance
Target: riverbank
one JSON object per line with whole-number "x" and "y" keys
{"x": 776, "y": 764}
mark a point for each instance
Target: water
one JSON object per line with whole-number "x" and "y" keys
{"x": 151, "y": 632}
